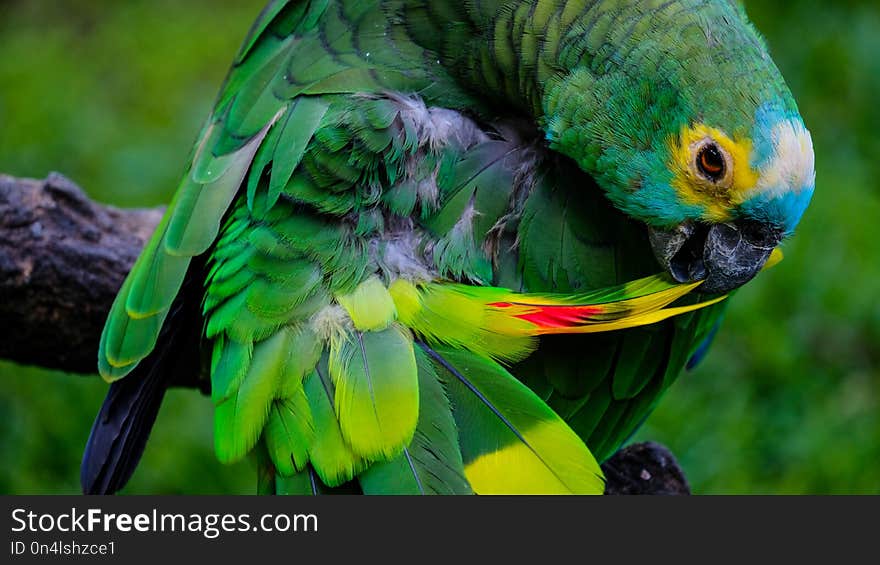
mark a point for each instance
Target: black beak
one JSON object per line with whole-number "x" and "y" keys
{"x": 725, "y": 256}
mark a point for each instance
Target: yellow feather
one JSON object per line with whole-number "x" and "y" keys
{"x": 500, "y": 324}
{"x": 514, "y": 469}
{"x": 645, "y": 319}
{"x": 370, "y": 306}
{"x": 775, "y": 258}
{"x": 460, "y": 315}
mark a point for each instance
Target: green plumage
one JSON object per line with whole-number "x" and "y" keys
{"x": 289, "y": 432}
{"x": 432, "y": 463}
{"x": 355, "y": 143}
{"x": 512, "y": 440}
{"x": 333, "y": 459}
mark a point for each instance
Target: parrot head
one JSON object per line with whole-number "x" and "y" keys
{"x": 696, "y": 136}
{"x": 734, "y": 198}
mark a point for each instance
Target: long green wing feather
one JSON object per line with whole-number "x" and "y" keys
{"x": 511, "y": 442}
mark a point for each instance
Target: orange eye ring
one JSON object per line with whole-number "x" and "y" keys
{"x": 711, "y": 163}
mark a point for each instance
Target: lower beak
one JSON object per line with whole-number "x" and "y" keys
{"x": 724, "y": 256}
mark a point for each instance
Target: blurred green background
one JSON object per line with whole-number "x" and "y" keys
{"x": 112, "y": 95}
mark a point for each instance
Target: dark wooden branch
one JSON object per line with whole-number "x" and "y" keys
{"x": 644, "y": 468}
{"x": 63, "y": 258}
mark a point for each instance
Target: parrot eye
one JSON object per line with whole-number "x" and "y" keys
{"x": 710, "y": 162}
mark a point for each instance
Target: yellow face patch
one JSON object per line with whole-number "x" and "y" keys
{"x": 717, "y": 195}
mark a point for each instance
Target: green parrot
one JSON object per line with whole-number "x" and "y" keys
{"x": 416, "y": 245}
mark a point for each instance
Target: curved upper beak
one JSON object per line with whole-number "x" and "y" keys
{"x": 724, "y": 256}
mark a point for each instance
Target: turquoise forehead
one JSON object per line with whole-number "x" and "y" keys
{"x": 784, "y": 198}
{"x": 767, "y": 116}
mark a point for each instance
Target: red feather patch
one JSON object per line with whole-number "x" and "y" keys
{"x": 554, "y": 316}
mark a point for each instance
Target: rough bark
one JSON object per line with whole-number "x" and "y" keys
{"x": 64, "y": 257}
{"x": 644, "y": 468}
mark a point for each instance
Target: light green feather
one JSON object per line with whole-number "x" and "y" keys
{"x": 195, "y": 220}
{"x": 304, "y": 347}
{"x": 333, "y": 459}
{"x": 231, "y": 360}
{"x": 432, "y": 463}
{"x": 289, "y": 433}
{"x": 302, "y": 121}
{"x": 239, "y": 420}
{"x": 377, "y": 390}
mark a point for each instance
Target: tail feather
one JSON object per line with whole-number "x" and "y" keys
{"x": 122, "y": 427}
{"x": 503, "y": 325}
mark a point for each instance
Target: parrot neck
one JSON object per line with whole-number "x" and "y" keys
{"x": 608, "y": 82}
{"x": 572, "y": 65}
{"x": 558, "y": 61}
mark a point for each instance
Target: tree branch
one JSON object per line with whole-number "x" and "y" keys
{"x": 644, "y": 468}
{"x": 64, "y": 257}
{"x": 62, "y": 260}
